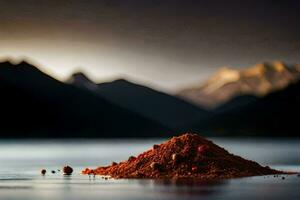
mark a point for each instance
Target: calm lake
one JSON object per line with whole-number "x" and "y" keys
{"x": 22, "y": 160}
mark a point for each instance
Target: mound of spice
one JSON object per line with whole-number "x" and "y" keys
{"x": 186, "y": 156}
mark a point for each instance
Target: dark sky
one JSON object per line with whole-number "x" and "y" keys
{"x": 164, "y": 43}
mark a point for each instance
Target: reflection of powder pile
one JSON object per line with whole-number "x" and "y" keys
{"x": 186, "y": 156}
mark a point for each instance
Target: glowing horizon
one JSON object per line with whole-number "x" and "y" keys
{"x": 167, "y": 45}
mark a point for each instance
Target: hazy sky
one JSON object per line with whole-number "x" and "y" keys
{"x": 167, "y": 44}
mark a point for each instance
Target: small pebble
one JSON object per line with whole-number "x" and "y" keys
{"x": 43, "y": 171}
{"x": 67, "y": 170}
{"x": 283, "y": 178}
{"x": 53, "y": 172}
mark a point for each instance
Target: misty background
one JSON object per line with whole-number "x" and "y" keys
{"x": 164, "y": 44}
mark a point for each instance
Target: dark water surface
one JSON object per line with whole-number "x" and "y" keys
{"x": 21, "y": 162}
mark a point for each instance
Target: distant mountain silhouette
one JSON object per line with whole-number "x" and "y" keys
{"x": 158, "y": 106}
{"x": 34, "y": 104}
{"x": 276, "y": 114}
{"x": 228, "y": 83}
{"x": 271, "y": 114}
{"x": 79, "y": 79}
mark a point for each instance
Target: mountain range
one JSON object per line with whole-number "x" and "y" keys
{"x": 227, "y": 83}
{"x": 261, "y": 100}
{"x": 275, "y": 114}
{"x": 170, "y": 111}
{"x": 34, "y": 104}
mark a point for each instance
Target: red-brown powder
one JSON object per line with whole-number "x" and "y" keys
{"x": 186, "y": 156}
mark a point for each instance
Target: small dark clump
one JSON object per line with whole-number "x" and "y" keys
{"x": 67, "y": 170}
{"x": 53, "y": 172}
{"x": 43, "y": 171}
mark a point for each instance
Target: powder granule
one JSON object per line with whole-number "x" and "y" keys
{"x": 185, "y": 156}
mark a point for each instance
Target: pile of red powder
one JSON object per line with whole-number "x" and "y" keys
{"x": 186, "y": 156}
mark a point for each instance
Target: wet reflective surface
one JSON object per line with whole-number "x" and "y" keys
{"x": 21, "y": 162}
